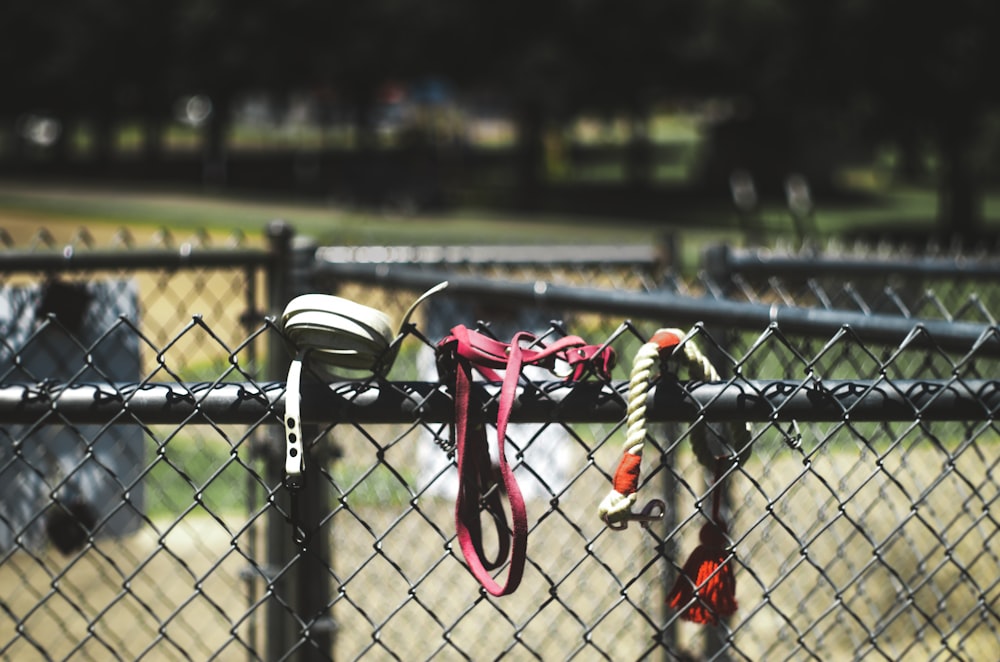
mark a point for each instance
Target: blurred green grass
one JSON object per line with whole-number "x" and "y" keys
{"x": 189, "y": 469}
{"x": 892, "y": 210}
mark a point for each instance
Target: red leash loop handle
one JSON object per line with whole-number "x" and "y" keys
{"x": 478, "y": 487}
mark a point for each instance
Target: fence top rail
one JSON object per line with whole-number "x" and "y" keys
{"x": 676, "y": 309}
{"x": 814, "y": 400}
{"x": 628, "y": 254}
{"x": 187, "y": 255}
{"x": 723, "y": 260}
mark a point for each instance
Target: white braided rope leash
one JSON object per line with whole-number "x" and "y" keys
{"x": 616, "y": 508}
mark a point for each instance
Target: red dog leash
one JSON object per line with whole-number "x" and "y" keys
{"x": 478, "y": 489}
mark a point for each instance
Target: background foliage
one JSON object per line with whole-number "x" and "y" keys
{"x": 803, "y": 87}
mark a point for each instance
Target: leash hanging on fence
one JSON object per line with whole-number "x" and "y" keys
{"x": 335, "y": 334}
{"x": 479, "y": 490}
{"x": 705, "y": 590}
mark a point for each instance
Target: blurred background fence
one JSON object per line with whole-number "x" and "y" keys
{"x": 143, "y": 514}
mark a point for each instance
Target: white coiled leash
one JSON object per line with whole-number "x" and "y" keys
{"x": 335, "y": 334}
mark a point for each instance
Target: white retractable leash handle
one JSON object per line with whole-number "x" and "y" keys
{"x": 334, "y": 333}
{"x": 294, "y": 464}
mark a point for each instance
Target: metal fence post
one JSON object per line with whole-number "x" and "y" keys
{"x": 668, "y": 254}
{"x": 297, "y": 614}
{"x": 258, "y": 450}
{"x": 279, "y": 546}
{"x": 718, "y": 269}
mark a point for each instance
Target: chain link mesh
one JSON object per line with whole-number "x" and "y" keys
{"x": 854, "y": 537}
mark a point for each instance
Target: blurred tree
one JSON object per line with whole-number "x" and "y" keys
{"x": 817, "y": 76}
{"x": 147, "y": 88}
{"x": 804, "y": 79}
{"x": 366, "y": 54}
{"x": 926, "y": 70}
{"x": 221, "y": 48}
{"x": 625, "y": 61}
{"x": 25, "y": 37}
{"x": 555, "y": 60}
{"x": 522, "y": 51}
{"x": 776, "y": 63}
{"x": 91, "y": 61}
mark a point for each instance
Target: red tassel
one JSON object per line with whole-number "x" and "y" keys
{"x": 706, "y": 587}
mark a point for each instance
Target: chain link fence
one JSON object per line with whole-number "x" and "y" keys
{"x": 145, "y": 517}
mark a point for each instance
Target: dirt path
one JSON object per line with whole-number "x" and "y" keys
{"x": 25, "y": 230}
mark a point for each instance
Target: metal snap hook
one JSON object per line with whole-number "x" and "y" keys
{"x": 653, "y": 511}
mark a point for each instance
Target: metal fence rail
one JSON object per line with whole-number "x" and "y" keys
{"x": 808, "y": 264}
{"x": 679, "y": 309}
{"x": 876, "y": 280}
{"x": 863, "y": 523}
{"x": 250, "y": 403}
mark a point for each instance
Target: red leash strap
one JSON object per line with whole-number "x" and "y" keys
{"x": 478, "y": 488}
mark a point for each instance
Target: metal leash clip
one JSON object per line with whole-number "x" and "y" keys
{"x": 652, "y": 512}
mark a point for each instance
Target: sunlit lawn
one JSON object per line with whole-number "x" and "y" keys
{"x": 27, "y": 206}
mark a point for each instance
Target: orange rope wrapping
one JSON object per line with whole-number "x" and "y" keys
{"x": 626, "y": 480}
